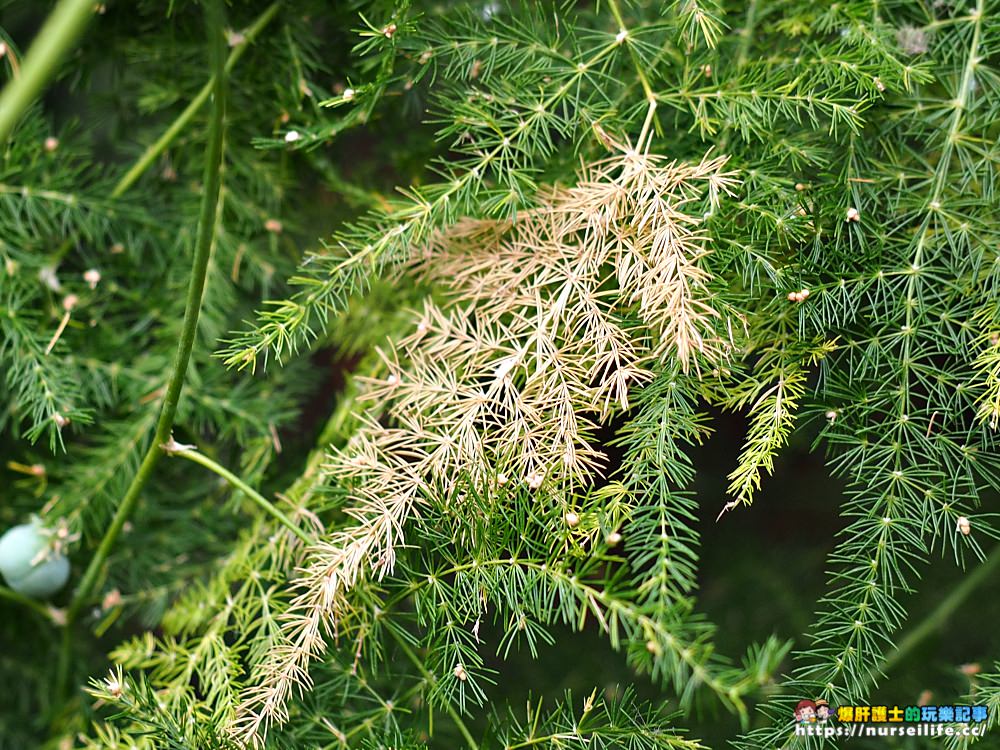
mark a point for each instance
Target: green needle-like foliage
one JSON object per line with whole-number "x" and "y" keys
{"x": 481, "y": 282}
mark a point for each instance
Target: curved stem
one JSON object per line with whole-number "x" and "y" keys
{"x": 647, "y": 90}
{"x": 61, "y": 30}
{"x": 265, "y": 504}
{"x": 27, "y": 601}
{"x": 196, "y": 287}
{"x": 182, "y": 120}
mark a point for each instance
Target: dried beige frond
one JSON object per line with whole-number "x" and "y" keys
{"x": 333, "y": 569}
{"x": 550, "y": 322}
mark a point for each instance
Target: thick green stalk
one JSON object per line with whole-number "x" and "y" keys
{"x": 196, "y": 287}
{"x": 61, "y": 30}
{"x": 160, "y": 145}
{"x": 268, "y": 507}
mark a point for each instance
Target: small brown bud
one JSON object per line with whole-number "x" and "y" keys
{"x": 47, "y": 275}
{"x": 58, "y": 617}
{"x": 113, "y": 684}
{"x": 111, "y": 599}
{"x": 93, "y": 277}
{"x": 912, "y": 40}
{"x": 534, "y": 479}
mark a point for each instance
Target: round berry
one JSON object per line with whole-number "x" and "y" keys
{"x": 27, "y": 564}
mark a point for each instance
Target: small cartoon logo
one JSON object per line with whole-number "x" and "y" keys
{"x": 805, "y": 712}
{"x": 810, "y": 712}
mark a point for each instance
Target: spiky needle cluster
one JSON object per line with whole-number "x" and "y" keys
{"x": 513, "y": 460}
{"x": 550, "y": 321}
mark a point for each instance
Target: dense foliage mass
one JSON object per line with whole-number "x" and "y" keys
{"x": 458, "y": 434}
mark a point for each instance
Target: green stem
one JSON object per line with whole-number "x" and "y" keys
{"x": 246, "y": 489}
{"x": 154, "y": 150}
{"x": 62, "y": 665}
{"x": 196, "y": 287}
{"x": 27, "y": 601}
{"x": 620, "y": 20}
{"x": 61, "y": 30}
{"x": 637, "y": 62}
{"x": 746, "y": 37}
{"x": 940, "y": 614}
{"x": 431, "y": 680}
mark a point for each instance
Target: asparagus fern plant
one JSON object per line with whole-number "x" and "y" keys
{"x": 357, "y": 355}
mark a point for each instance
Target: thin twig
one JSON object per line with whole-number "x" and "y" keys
{"x": 59, "y": 331}
{"x": 27, "y": 601}
{"x": 431, "y": 680}
{"x": 191, "y": 454}
{"x": 647, "y": 90}
{"x": 160, "y": 145}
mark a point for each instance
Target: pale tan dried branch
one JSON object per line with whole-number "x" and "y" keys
{"x": 550, "y": 322}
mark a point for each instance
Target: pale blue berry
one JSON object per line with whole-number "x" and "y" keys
{"x": 22, "y": 546}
